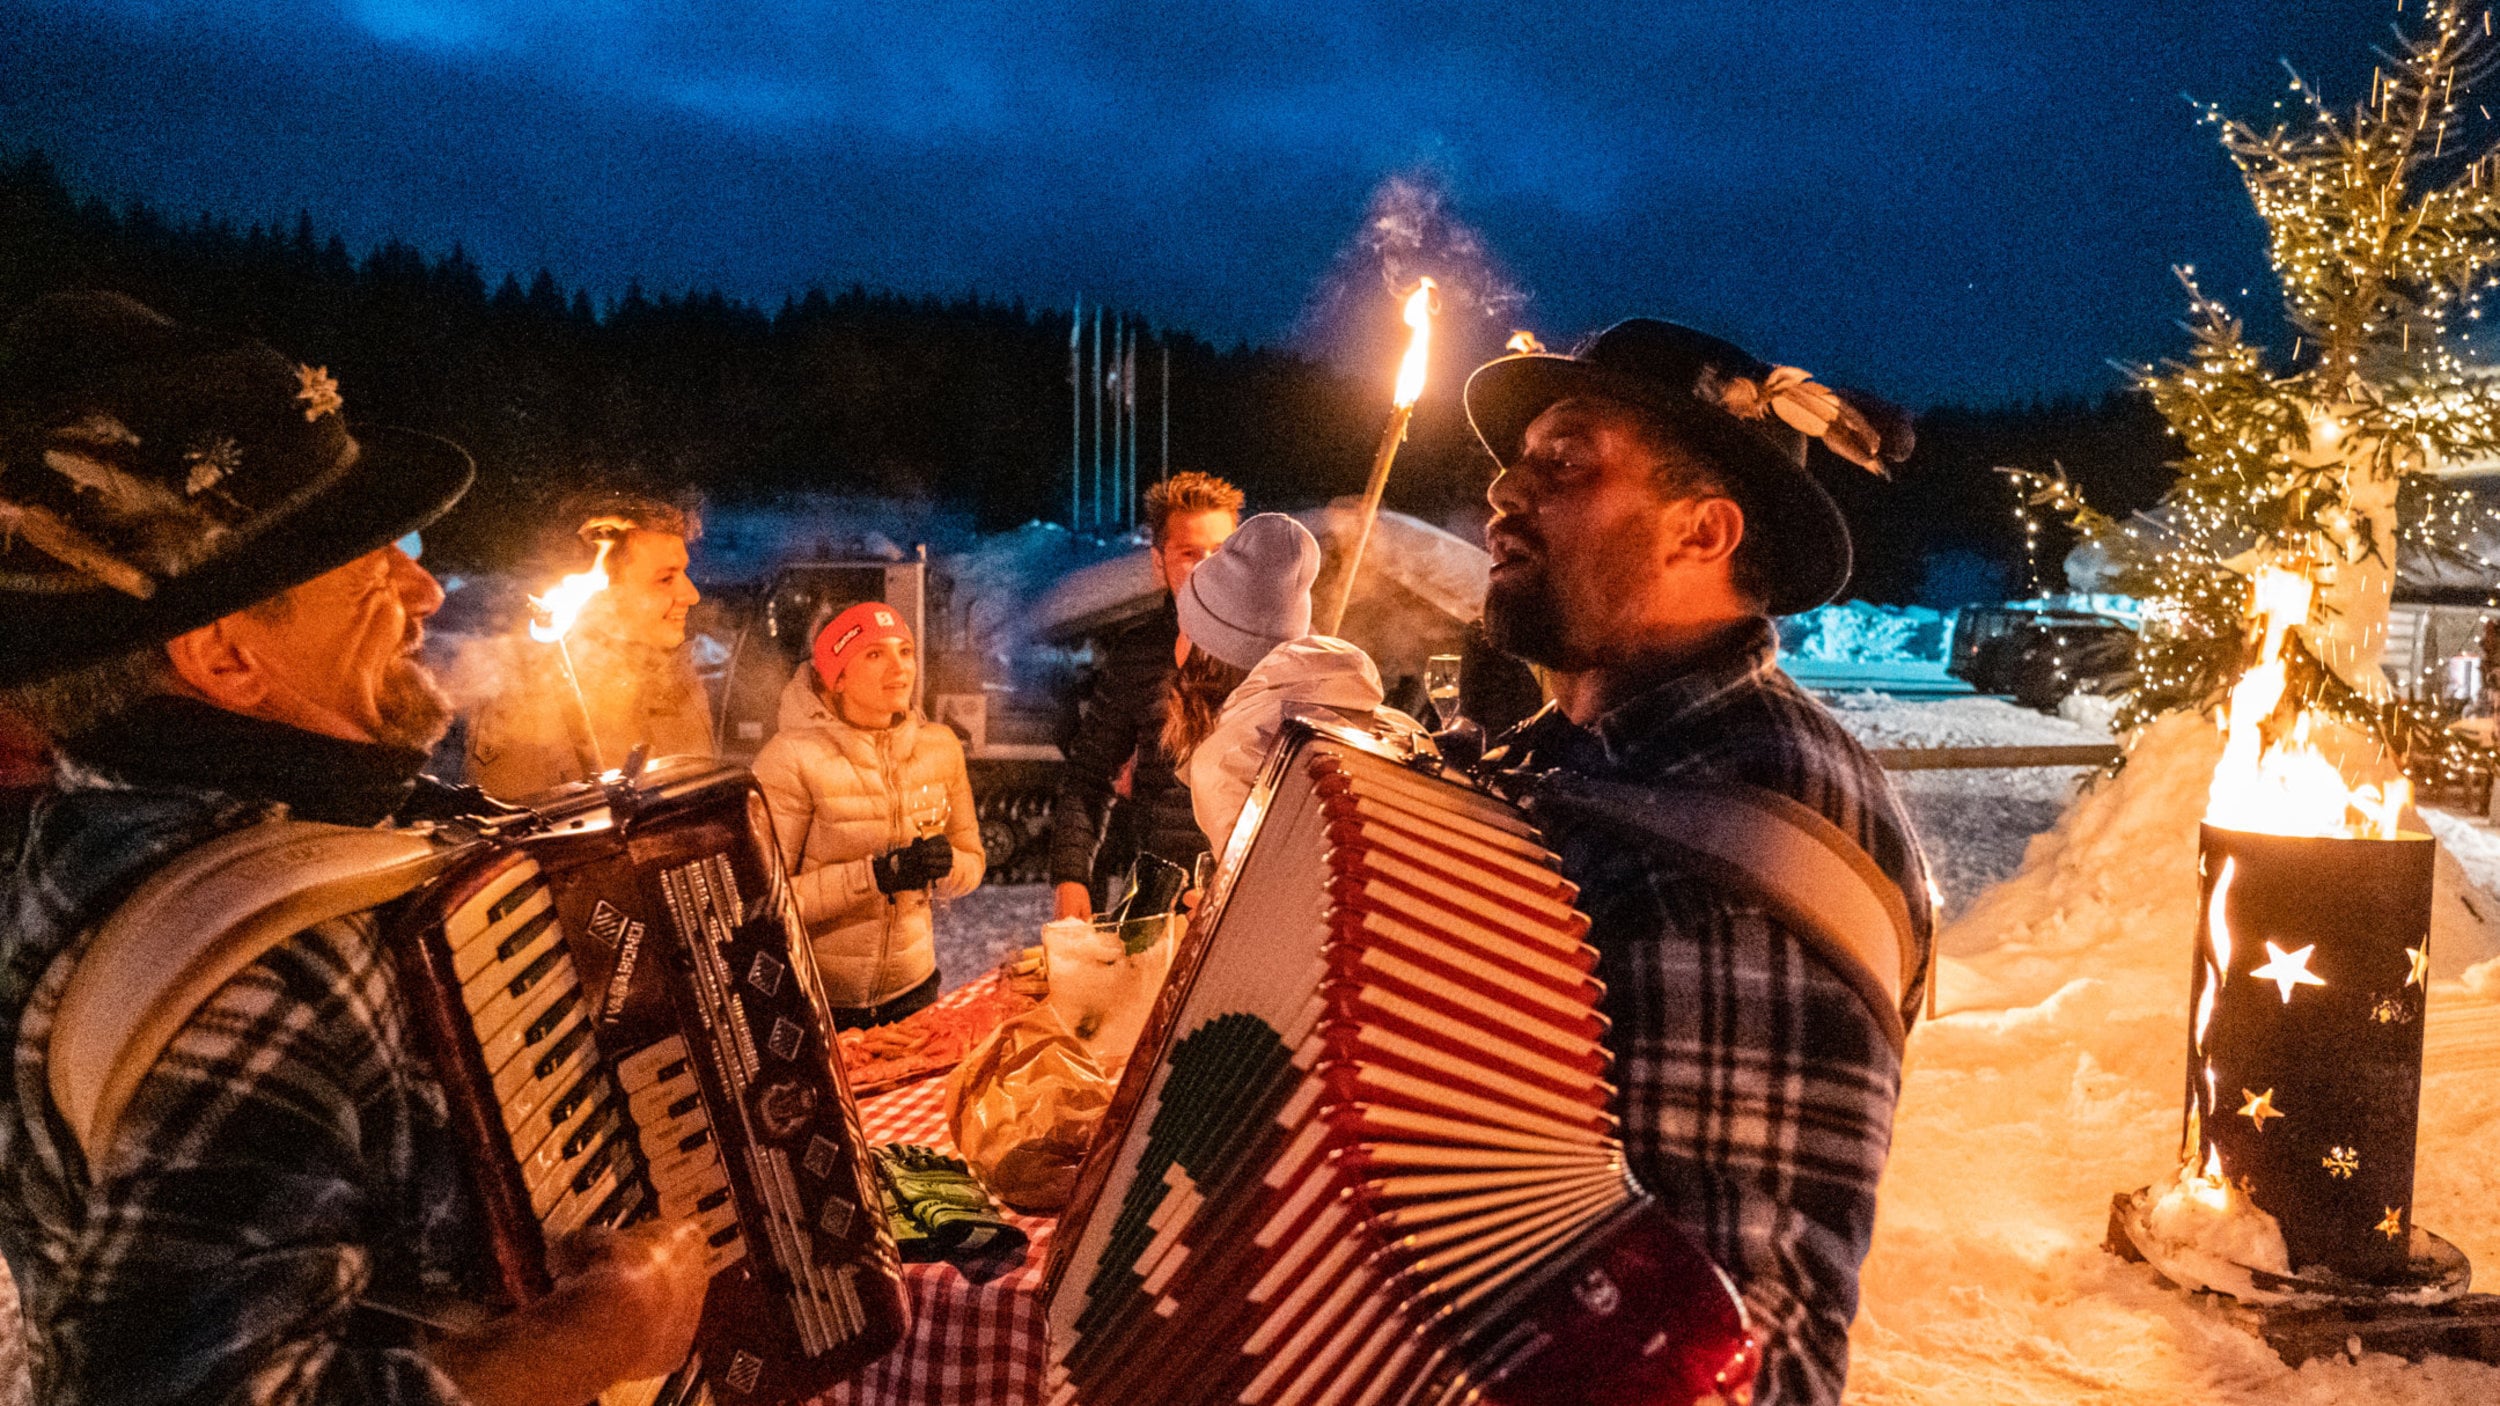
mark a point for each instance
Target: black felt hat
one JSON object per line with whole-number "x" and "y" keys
{"x": 154, "y": 477}
{"x": 1751, "y": 419}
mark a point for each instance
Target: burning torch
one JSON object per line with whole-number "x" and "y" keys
{"x": 1410, "y": 389}
{"x": 555, "y": 614}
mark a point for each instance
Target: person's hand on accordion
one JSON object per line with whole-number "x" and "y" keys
{"x": 625, "y": 1307}
{"x": 917, "y": 865}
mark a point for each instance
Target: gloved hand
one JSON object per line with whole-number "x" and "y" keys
{"x": 913, "y": 866}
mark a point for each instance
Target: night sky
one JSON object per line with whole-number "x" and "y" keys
{"x": 1977, "y": 200}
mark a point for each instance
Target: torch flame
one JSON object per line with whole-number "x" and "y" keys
{"x": 1419, "y": 348}
{"x": 2285, "y": 785}
{"x": 562, "y": 606}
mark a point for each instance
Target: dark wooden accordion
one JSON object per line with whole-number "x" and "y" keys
{"x": 1363, "y": 1156}
{"x": 619, "y": 996}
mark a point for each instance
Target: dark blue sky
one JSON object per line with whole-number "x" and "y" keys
{"x": 1978, "y": 199}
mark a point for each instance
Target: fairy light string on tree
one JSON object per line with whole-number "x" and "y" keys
{"x": 2383, "y": 233}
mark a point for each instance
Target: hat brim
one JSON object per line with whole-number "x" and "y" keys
{"x": 1802, "y": 538}
{"x": 402, "y": 481}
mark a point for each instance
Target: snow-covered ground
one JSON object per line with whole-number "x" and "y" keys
{"x": 2054, "y": 1080}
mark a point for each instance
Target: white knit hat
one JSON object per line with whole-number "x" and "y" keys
{"x": 1254, "y": 593}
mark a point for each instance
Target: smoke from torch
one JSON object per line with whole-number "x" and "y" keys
{"x": 557, "y": 612}
{"x": 1410, "y": 388}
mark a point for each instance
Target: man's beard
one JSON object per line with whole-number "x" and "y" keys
{"x": 410, "y": 709}
{"x": 1524, "y": 619}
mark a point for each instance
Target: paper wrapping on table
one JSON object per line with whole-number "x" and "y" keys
{"x": 1024, "y": 1106}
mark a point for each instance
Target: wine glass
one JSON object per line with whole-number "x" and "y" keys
{"x": 1441, "y": 686}
{"x": 928, "y": 810}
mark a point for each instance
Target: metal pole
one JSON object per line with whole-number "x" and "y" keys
{"x": 1097, "y": 415}
{"x": 1119, "y": 422}
{"x": 1128, "y": 401}
{"x": 1076, "y": 413}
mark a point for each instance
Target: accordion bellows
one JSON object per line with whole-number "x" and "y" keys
{"x": 621, "y": 1006}
{"x": 1366, "y": 1155}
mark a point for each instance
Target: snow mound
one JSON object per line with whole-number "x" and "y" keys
{"x": 2054, "y": 1080}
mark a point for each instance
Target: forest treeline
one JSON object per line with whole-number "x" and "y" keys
{"x": 963, "y": 402}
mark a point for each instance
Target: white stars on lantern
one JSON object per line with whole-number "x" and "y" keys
{"x": 2421, "y": 973}
{"x": 2341, "y": 1162}
{"x": 2259, "y": 1107}
{"x": 2288, "y": 969}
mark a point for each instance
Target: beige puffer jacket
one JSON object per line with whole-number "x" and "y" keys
{"x": 842, "y": 795}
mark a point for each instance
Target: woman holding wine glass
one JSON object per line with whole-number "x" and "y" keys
{"x": 874, "y": 814}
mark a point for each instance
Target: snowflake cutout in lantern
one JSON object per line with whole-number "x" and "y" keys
{"x": 2341, "y": 1162}
{"x": 2391, "y": 1011}
{"x": 2421, "y": 973}
{"x": 318, "y": 391}
{"x": 2259, "y": 1108}
{"x": 2288, "y": 969}
{"x": 2392, "y": 1224}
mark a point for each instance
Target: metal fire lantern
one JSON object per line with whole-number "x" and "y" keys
{"x": 2305, "y": 1044}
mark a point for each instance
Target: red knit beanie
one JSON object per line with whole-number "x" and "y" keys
{"x": 853, "y": 630}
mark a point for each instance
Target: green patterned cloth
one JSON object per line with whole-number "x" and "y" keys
{"x": 936, "y": 1208}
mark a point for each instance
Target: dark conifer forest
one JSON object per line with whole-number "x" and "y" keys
{"x": 964, "y": 404}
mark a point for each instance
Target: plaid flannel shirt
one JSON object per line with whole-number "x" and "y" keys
{"x": 1755, "y": 1088}
{"x": 288, "y": 1155}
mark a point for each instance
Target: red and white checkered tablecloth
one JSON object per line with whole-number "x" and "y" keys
{"x": 971, "y": 1344}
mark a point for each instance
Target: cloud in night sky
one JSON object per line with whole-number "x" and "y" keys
{"x": 1935, "y": 200}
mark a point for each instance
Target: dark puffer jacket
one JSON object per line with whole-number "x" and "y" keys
{"x": 1123, "y": 717}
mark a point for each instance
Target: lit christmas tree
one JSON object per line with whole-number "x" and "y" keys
{"x": 2385, "y": 233}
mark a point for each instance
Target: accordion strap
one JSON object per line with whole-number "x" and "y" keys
{"x": 190, "y": 928}
{"x": 1812, "y": 877}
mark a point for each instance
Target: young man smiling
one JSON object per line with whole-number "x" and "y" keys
{"x": 1653, "y": 511}
{"x": 1095, "y": 829}
{"x": 628, "y": 651}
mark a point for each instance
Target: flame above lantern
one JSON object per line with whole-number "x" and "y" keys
{"x": 2275, "y": 780}
{"x": 563, "y": 604}
{"x": 1418, "y": 348}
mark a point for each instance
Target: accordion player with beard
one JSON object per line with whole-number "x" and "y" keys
{"x": 619, "y": 997}
{"x": 1364, "y": 1154}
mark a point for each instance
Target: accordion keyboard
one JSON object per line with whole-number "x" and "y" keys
{"x": 621, "y": 1010}
{"x": 580, "y": 1161}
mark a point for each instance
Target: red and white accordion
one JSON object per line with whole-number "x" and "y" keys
{"x": 620, "y": 1000}
{"x": 1364, "y": 1154}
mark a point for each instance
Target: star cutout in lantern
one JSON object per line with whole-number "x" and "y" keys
{"x": 2392, "y": 1224}
{"x": 2288, "y": 969}
{"x": 2259, "y": 1108}
{"x": 2421, "y": 973}
{"x": 2341, "y": 1162}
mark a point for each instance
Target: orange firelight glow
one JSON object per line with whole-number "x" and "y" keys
{"x": 2283, "y": 784}
{"x": 557, "y": 610}
{"x": 1523, "y": 342}
{"x": 1418, "y": 348}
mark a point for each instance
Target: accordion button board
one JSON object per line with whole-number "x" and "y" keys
{"x": 629, "y": 1025}
{"x": 1371, "y": 1160}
